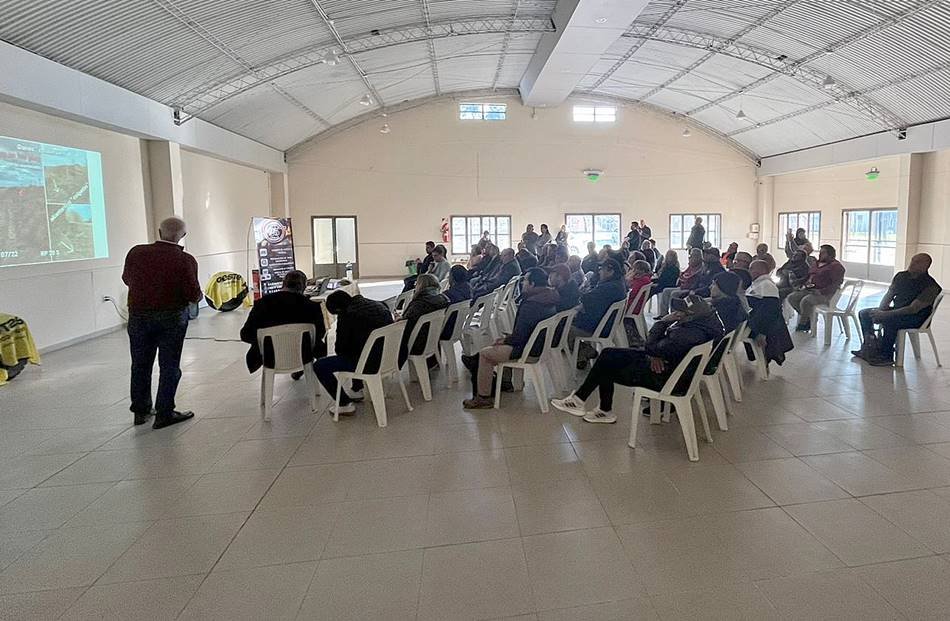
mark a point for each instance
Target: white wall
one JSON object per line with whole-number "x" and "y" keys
{"x": 432, "y": 166}
{"x": 934, "y": 219}
{"x": 62, "y": 301}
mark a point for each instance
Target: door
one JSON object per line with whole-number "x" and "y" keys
{"x": 334, "y": 246}
{"x": 870, "y": 243}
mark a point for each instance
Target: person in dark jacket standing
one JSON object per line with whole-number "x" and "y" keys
{"x": 692, "y": 322}
{"x": 357, "y": 317}
{"x": 538, "y": 302}
{"x": 530, "y": 239}
{"x": 697, "y": 234}
{"x": 724, "y": 294}
{"x": 425, "y": 300}
{"x": 289, "y": 305}
{"x": 162, "y": 280}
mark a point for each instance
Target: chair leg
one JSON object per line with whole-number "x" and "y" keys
{"x": 731, "y": 371}
{"x": 845, "y": 326}
{"x": 261, "y": 400}
{"x": 684, "y": 412}
{"x": 499, "y": 371}
{"x": 268, "y": 393}
{"x": 714, "y": 387}
{"x": 899, "y": 357}
{"x": 537, "y": 378}
{"x": 701, "y": 406}
{"x": 915, "y": 344}
{"x": 656, "y": 416}
{"x": 635, "y": 418}
{"x": 829, "y": 325}
{"x": 336, "y": 404}
{"x": 374, "y": 385}
{"x": 402, "y": 388}
{"x": 857, "y": 328}
{"x": 312, "y": 385}
{"x": 933, "y": 343}
{"x": 421, "y": 368}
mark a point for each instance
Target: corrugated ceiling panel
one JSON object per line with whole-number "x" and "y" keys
{"x": 264, "y": 115}
{"x": 794, "y": 32}
{"x": 353, "y": 18}
{"x": 325, "y": 90}
{"x": 721, "y": 118}
{"x": 676, "y": 99}
{"x": 777, "y": 97}
{"x": 723, "y": 18}
{"x": 921, "y": 100}
{"x": 399, "y": 73}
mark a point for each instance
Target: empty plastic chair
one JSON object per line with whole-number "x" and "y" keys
{"x": 914, "y": 336}
{"x": 851, "y": 291}
{"x": 455, "y": 315}
{"x": 391, "y": 336}
{"x": 287, "y": 343}
{"x": 432, "y": 323}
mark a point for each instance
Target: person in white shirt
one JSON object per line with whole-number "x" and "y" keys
{"x": 440, "y": 266}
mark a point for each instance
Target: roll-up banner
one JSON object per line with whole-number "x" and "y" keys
{"x": 275, "y": 252}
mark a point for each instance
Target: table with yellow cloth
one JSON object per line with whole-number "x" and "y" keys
{"x": 226, "y": 291}
{"x": 16, "y": 344}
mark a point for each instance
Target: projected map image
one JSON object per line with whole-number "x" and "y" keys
{"x": 51, "y": 203}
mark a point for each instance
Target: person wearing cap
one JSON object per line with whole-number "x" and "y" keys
{"x": 594, "y": 304}
{"x": 538, "y": 302}
{"x": 692, "y": 322}
{"x": 766, "y": 322}
{"x": 568, "y": 292}
{"x": 724, "y": 297}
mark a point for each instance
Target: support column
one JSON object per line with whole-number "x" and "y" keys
{"x": 908, "y": 208}
{"x": 164, "y": 188}
{"x": 765, "y": 212}
{"x": 279, "y": 196}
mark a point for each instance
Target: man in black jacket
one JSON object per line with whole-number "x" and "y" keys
{"x": 538, "y": 302}
{"x": 422, "y": 267}
{"x": 610, "y": 288}
{"x": 357, "y": 317}
{"x": 508, "y": 269}
{"x": 692, "y": 322}
{"x": 289, "y": 305}
{"x": 425, "y": 300}
{"x": 525, "y": 259}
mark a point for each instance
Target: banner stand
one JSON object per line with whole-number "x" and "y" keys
{"x": 273, "y": 254}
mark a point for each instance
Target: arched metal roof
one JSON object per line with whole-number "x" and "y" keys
{"x": 803, "y": 72}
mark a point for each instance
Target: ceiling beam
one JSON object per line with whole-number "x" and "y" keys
{"x": 199, "y": 101}
{"x": 433, "y": 64}
{"x": 504, "y": 47}
{"x": 585, "y": 29}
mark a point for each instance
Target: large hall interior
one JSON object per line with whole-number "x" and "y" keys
{"x": 537, "y": 310}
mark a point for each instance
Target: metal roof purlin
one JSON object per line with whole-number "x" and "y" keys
{"x": 504, "y": 46}
{"x": 670, "y": 12}
{"x": 432, "y": 59}
{"x": 345, "y": 50}
{"x": 745, "y": 30}
{"x": 169, "y": 7}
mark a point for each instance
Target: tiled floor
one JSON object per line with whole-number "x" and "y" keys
{"x": 829, "y": 498}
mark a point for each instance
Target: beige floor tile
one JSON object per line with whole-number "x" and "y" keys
{"x": 48, "y": 508}
{"x": 176, "y": 547}
{"x": 828, "y": 595}
{"x": 477, "y": 436}
{"x": 69, "y": 557}
{"x": 579, "y": 567}
{"x": 320, "y": 449}
{"x": 862, "y": 434}
{"x": 547, "y": 462}
{"x": 522, "y": 429}
{"x": 145, "y": 463}
{"x": 917, "y": 588}
{"x": 308, "y": 485}
{"x": 920, "y": 428}
{"x": 222, "y": 492}
{"x": 469, "y": 470}
{"x": 806, "y": 439}
{"x": 816, "y": 409}
{"x": 379, "y": 525}
{"x": 151, "y": 600}
{"x": 641, "y": 497}
{"x": 7, "y": 496}
{"x": 40, "y": 605}
{"x": 14, "y": 544}
{"x": 383, "y": 478}
{"x": 29, "y": 470}
{"x": 365, "y": 588}
{"x": 258, "y": 454}
{"x": 133, "y": 501}
{"x": 923, "y": 515}
{"x": 471, "y": 515}
{"x": 710, "y": 489}
{"x": 638, "y": 608}
{"x": 790, "y": 481}
{"x": 274, "y": 592}
{"x": 748, "y": 444}
{"x": 918, "y": 464}
{"x": 77, "y": 440}
{"x": 475, "y": 581}
{"x": 858, "y": 474}
{"x": 729, "y": 603}
{"x": 283, "y": 535}
{"x": 551, "y": 506}
{"x": 855, "y": 533}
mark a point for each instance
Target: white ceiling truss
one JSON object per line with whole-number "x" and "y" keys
{"x": 803, "y": 72}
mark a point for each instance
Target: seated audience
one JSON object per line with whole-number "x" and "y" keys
{"x": 422, "y": 267}
{"x": 766, "y": 322}
{"x": 646, "y": 248}
{"x": 724, "y": 297}
{"x": 793, "y": 274}
{"x": 538, "y": 302}
{"x": 740, "y": 266}
{"x": 289, "y": 305}
{"x": 526, "y": 260}
{"x": 426, "y": 299}
{"x": 762, "y": 254}
{"x": 440, "y": 265}
{"x": 711, "y": 267}
{"x": 574, "y": 264}
{"x": 686, "y": 281}
{"x": 797, "y": 242}
{"x": 561, "y": 238}
{"x": 593, "y": 258}
{"x": 824, "y": 280}
{"x": 729, "y": 255}
{"x": 594, "y": 304}
{"x": 638, "y": 277}
{"x": 507, "y": 269}
{"x": 668, "y": 274}
{"x": 545, "y": 238}
{"x": 568, "y": 292}
{"x": 908, "y": 302}
{"x": 459, "y": 287}
{"x": 475, "y": 257}
{"x": 488, "y": 265}
{"x": 357, "y": 317}
{"x": 692, "y": 322}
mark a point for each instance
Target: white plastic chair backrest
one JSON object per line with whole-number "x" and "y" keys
{"x": 737, "y": 335}
{"x": 402, "y": 300}
{"x": 833, "y": 302}
{"x": 459, "y": 310}
{"x": 718, "y": 353}
{"x": 545, "y": 327}
{"x": 639, "y": 300}
{"x": 608, "y": 323}
{"x": 434, "y": 321}
{"x": 507, "y": 293}
{"x": 478, "y": 313}
{"x": 494, "y": 307}
{"x": 391, "y": 336}
{"x": 562, "y": 325}
{"x": 444, "y": 286}
{"x": 926, "y": 324}
{"x": 855, "y": 286}
{"x": 700, "y": 352}
{"x": 287, "y": 342}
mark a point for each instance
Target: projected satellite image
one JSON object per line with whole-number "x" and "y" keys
{"x": 46, "y": 204}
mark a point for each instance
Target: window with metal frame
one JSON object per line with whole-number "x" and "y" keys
{"x": 792, "y": 221}
{"x": 870, "y": 236}
{"x": 483, "y": 111}
{"x": 595, "y": 114}
{"x": 601, "y": 228}
{"x": 682, "y": 223}
{"x": 467, "y": 230}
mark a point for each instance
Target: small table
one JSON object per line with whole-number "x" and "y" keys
{"x": 16, "y": 346}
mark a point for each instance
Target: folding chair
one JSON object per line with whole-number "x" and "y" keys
{"x": 287, "y": 342}
{"x": 448, "y": 359}
{"x": 391, "y": 336}
{"x": 914, "y": 336}
{"x": 534, "y": 367}
{"x": 420, "y": 362}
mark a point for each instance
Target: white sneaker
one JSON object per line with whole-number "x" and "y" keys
{"x": 570, "y": 404}
{"x": 346, "y": 410}
{"x": 599, "y": 416}
{"x": 354, "y": 395}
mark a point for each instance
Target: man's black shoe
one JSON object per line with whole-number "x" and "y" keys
{"x": 802, "y": 328}
{"x": 166, "y": 420}
{"x": 296, "y": 375}
{"x": 141, "y": 419}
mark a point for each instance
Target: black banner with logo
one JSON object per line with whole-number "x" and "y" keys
{"x": 275, "y": 251}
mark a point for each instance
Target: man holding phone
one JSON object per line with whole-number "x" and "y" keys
{"x": 824, "y": 280}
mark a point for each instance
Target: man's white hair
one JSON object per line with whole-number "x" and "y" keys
{"x": 172, "y": 229}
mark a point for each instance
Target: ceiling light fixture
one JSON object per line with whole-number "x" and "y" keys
{"x": 687, "y": 133}
{"x": 366, "y": 100}
{"x": 741, "y": 115}
{"x": 385, "y": 129}
{"x": 829, "y": 83}
{"x": 601, "y": 20}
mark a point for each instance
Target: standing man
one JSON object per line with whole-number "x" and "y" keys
{"x": 530, "y": 239}
{"x": 824, "y": 280}
{"x": 697, "y": 234}
{"x": 162, "y": 280}
{"x": 633, "y": 237}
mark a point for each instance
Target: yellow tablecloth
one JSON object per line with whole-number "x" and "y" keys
{"x": 16, "y": 343}
{"x": 224, "y": 287}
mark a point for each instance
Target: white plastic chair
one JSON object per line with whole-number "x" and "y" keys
{"x": 558, "y": 357}
{"x": 829, "y": 311}
{"x": 420, "y": 362}
{"x": 712, "y": 379}
{"x": 730, "y": 371}
{"x": 402, "y": 300}
{"x": 391, "y": 336}
{"x": 287, "y": 343}
{"x": 699, "y": 356}
{"x": 914, "y": 336}
{"x": 639, "y": 318}
{"x": 534, "y": 367}
{"x": 502, "y": 315}
{"x": 448, "y": 358}
{"x": 603, "y": 335}
{"x": 761, "y": 364}
{"x": 476, "y": 332}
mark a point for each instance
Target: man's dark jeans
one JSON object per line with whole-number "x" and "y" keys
{"x": 889, "y": 328}
{"x": 151, "y": 332}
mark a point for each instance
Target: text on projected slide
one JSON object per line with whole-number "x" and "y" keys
{"x": 52, "y": 206}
